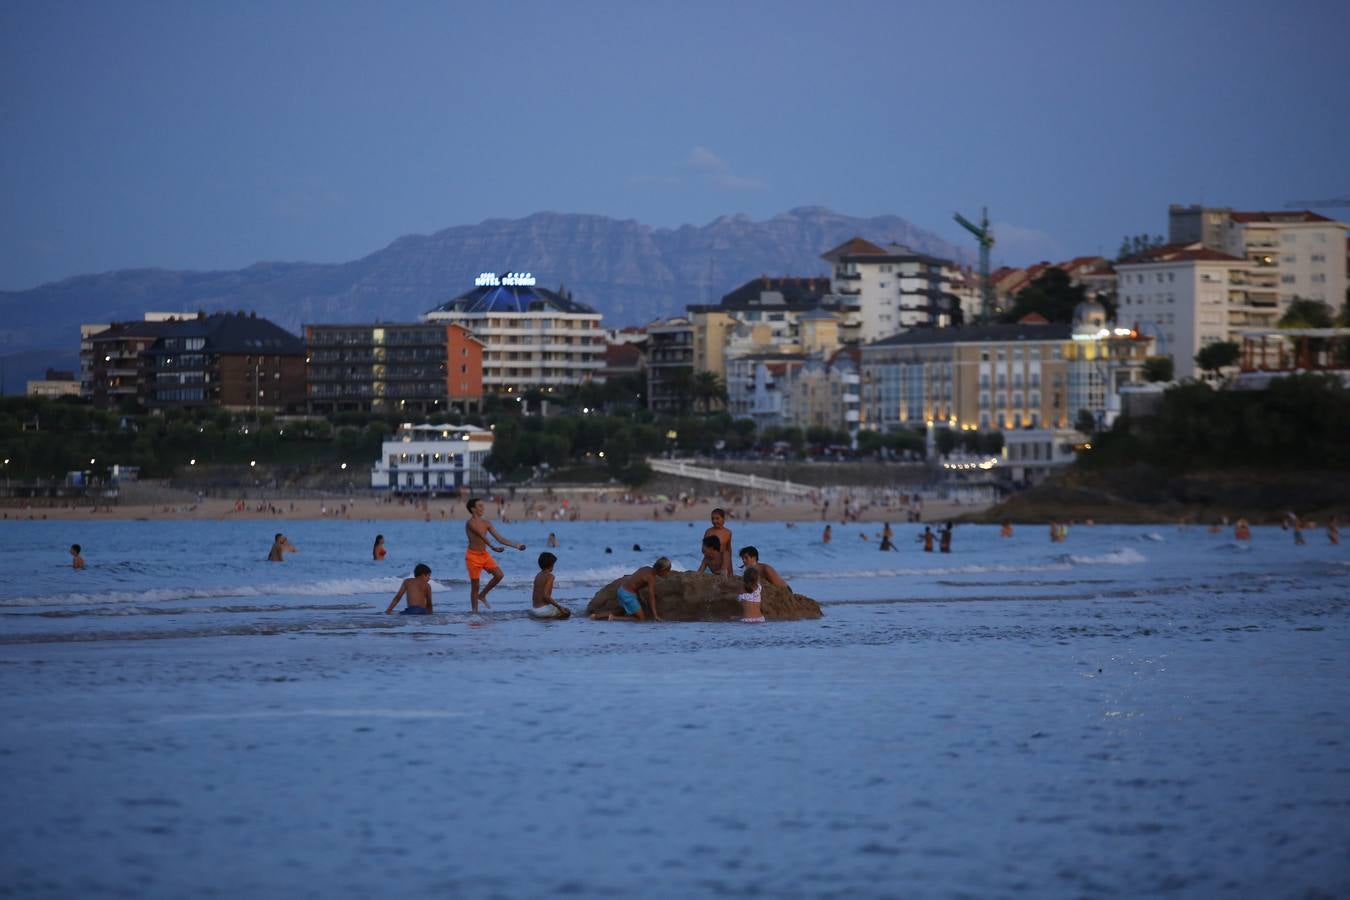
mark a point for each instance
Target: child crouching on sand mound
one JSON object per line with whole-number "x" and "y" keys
{"x": 630, "y": 593}
{"x": 750, "y": 611}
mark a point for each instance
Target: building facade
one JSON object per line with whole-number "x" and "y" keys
{"x": 883, "y": 291}
{"x": 670, "y": 365}
{"x": 996, "y": 377}
{"x": 233, "y": 361}
{"x": 1291, "y": 253}
{"x": 1187, "y": 296}
{"x": 392, "y": 368}
{"x": 433, "y": 459}
{"x": 824, "y": 392}
{"x": 532, "y": 337}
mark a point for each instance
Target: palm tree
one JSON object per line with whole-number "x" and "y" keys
{"x": 708, "y": 390}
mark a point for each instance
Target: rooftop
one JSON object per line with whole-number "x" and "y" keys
{"x": 978, "y": 334}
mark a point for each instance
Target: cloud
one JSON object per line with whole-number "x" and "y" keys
{"x": 701, "y": 166}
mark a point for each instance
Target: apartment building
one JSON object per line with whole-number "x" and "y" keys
{"x": 880, "y": 291}
{"x": 230, "y": 360}
{"x": 1292, "y": 253}
{"x": 532, "y": 337}
{"x": 824, "y": 392}
{"x": 1188, "y": 296}
{"x": 393, "y": 368}
{"x": 755, "y": 386}
{"x": 670, "y": 364}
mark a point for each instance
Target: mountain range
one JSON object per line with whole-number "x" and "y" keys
{"x": 630, "y": 272}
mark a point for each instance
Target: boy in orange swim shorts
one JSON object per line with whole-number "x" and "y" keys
{"x": 476, "y": 559}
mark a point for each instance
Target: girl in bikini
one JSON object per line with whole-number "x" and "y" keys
{"x": 750, "y": 611}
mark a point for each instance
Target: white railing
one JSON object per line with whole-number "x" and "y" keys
{"x": 734, "y": 479}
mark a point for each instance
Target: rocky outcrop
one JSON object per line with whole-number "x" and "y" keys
{"x": 702, "y": 597}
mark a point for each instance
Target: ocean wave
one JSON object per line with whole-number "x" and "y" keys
{"x": 971, "y": 569}
{"x": 342, "y": 587}
{"x": 1126, "y": 556}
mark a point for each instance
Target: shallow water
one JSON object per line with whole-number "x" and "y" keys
{"x": 1138, "y": 711}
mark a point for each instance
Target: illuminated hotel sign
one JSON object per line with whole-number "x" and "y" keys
{"x": 510, "y": 279}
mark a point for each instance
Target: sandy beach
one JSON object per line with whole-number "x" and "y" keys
{"x": 533, "y": 506}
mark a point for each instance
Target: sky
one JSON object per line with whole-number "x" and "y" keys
{"x": 199, "y": 135}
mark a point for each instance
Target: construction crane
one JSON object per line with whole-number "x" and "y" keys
{"x": 1342, "y": 201}
{"x": 985, "y": 237}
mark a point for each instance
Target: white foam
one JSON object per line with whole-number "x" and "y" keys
{"x": 1126, "y": 556}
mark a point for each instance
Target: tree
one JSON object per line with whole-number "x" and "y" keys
{"x": 946, "y": 441}
{"x": 1306, "y": 314}
{"x": 709, "y": 391}
{"x": 1213, "y": 357}
{"x": 1138, "y": 245}
{"x": 1159, "y": 368}
{"x": 1086, "y": 422}
{"x": 1052, "y": 294}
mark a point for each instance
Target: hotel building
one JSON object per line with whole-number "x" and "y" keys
{"x": 999, "y": 377}
{"x": 532, "y": 337}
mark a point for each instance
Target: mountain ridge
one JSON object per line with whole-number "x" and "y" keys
{"x": 629, "y": 271}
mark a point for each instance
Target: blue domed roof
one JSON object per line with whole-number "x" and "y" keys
{"x": 506, "y": 298}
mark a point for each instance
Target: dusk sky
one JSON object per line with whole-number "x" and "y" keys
{"x": 211, "y": 136}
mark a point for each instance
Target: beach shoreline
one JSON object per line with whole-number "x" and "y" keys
{"x": 561, "y": 507}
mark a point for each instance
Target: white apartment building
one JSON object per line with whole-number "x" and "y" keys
{"x": 1188, "y": 296}
{"x": 532, "y": 337}
{"x": 1304, "y": 249}
{"x": 881, "y": 292}
{"x": 1293, "y": 253}
{"x": 432, "y": 459}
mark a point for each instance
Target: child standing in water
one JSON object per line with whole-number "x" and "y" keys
{"x": 750, "y": 600}
{"x": 76, "y": 560}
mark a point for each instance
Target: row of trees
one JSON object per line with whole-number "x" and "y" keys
{"x": 1300, "y": 421}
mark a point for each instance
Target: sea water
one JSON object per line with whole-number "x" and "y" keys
{"x": 1137, "y": 711}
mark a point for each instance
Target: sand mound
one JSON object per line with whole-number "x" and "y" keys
{"x": 702, "y": 597}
